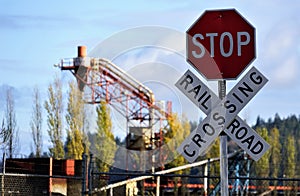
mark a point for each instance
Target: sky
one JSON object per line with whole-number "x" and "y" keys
{"x": 35, "y": 35}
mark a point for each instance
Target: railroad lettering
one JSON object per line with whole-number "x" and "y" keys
{"x": 187, "y": 80}
{"x": 187, "y": 153}
{"x": 222, "y": 113}
{"x": 237, "y": 98}
{"x": 203, "y": 103}
{"x": 208, "y": 129}
{"x": 257, "y": 148}
{"x": 231, "y": 107}
{"x": 241, "y": 133}
{"x": 195, "y": 90}
{"x": 249, "y": 141}
{"x": 256, "y": 80}
{"x": 245, "y": 89}
{"x": 218, "y": 117}
{"x": 197, "y": 139}
{"x": 234, "y": 124}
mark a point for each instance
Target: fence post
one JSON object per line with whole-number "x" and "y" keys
{"x": 3, "y": 173}
{"x": 157, "y": 185}
{"x": 83, "y": 187}
{"x": 50, "y": 175}
{"x": 90, "y": 181}
{"x": 206, "y": 178}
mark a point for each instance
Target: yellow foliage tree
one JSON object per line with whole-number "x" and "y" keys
{"x": 174, "y": 136}
{"x": 75, "y": 118}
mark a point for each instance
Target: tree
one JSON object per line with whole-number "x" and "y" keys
{"x": 275, "y": 155}
{"x": 54, "y": 108}
{"x": 12, "y": 134}
{"x": 105, "y": 144}
{"x": 75, "y": 119}
{"x": 261, "y": 167}
{"x": 213, "y": 152}
{"x": 3, "y": 133}
{"x": 36, "y": 123}
{"x": 290, "y": 168}
{"x": 174, "y": 136}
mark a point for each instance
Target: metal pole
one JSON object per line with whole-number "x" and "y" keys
{"x": 157, "y": 185}
{"x": 83, "y": 188}
{"x": 208, "y": 175}
{"x": 50, "y": 174}
{"x": 223, "y": 147}
{"x": 3, "y": 173}
{"x": 205, "y": 179}
{"x": 90, "y": 167}
{"x": 151, "y": 122}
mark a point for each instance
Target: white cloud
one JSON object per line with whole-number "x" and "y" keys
{"x": 281, "y": 55}
{"x": 287, "y": 73}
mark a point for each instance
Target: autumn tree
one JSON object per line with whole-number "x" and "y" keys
{"x": 275, "y": 155}
{"x": 173, "y": 137}
{"x": 261, "y": 167}
{"x": 290, "y": 167}
{"x": 75, "y": 119}
{"x": 36, "y": 123}
{"x": 177, "y": 130}
{"x": 105, "y": 145}
{"x": 54, "y": 108}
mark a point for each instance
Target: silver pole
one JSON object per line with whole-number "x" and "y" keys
{"x": 157, "y": 185}
{"x": 205, "y": 179}
{"x": 223, "y": 148}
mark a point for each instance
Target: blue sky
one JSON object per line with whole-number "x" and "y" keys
{"x": 34, "y": 35}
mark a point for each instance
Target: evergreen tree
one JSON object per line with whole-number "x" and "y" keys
{"x": 105, "y": 144}
{"x": 287, "y": 127}
{"x": 36, "y": 123}
{"x": 75, "y": 119}
{"x": 54, "y": 108}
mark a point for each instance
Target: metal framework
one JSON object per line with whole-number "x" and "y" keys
{"x": 239, "y": 173}
{"x": 101, "y": 80}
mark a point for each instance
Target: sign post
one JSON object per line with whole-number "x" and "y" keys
{"x": 220, "y": 45}
{"x": 223, "y": 146}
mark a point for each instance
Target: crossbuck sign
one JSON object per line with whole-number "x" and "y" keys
{"x": 222, "y": 115}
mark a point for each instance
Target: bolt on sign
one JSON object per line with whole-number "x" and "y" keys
{"x": 220, "y": 45}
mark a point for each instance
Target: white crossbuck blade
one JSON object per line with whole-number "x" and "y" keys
{"x": 222, "y": 115}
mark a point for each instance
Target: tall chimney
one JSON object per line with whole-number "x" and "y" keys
{"x": 81, "y": 51}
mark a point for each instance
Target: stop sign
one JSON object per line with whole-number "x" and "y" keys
{"x": 221, "y": 44}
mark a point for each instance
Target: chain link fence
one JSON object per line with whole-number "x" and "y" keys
{"x": 29, "y": 184}
{"x": 42, "y": 176}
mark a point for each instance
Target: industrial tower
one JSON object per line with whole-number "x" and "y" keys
{"x": 101, "y": 80}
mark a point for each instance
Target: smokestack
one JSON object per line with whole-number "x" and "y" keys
{"x": 81, "y": 51}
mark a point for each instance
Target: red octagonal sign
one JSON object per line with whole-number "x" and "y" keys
{"x": 221, "y": 44}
